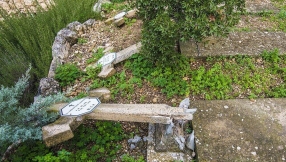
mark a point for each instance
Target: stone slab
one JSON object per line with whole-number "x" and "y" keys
{"x": 127, "y": 52}
{"x": 241, "y": 130}
{"x": 247, "y": 43}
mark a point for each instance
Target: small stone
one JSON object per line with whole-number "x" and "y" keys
{"x": 253, "y": 153}
{"x": 155, "y": 100}
{"x": 119, "y": 22}
{"x": 132, "y": 147}
{"x": 131, "y": 14}
{"x": 109, "y": 21}
{"x": 173, "y": 100}
{"x": 256, "y": 148}
{"x": 238, "y": 148}
{"x": 226, "y": 107}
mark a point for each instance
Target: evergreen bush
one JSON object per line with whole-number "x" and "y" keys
{"x": 17, "y": 123}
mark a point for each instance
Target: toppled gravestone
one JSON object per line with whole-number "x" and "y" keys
{"x": 108, "y": 70}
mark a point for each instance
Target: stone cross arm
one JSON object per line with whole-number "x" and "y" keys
{"x": 61, "y": 129}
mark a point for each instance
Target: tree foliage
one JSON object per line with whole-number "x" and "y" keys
{"x": 166, "y": 22}
{"x": 17, "y": 123}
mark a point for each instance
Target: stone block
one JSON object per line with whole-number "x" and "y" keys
{"x": 109, "y": 21}
{"x": 107, "y": 71}
{"x": 119, "y": 22}
{"x": 60, "y": 130}
{"x": 131, "y": 14}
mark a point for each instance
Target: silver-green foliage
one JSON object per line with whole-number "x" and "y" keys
{"x": 17, "y": 123}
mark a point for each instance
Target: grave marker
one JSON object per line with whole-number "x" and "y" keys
{"x": 80, "y": 107}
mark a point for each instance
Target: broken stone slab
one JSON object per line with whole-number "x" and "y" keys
{"x": 61, "y": 129}
{"x": 168, "y": 153}
{"x": 119, "y": 22}
{"x": 127, "y": 52}
{"x": 247, "y": 43}
{"x": 131, "y": 14}
{"x": 107, "y": 71}
{"x": 102, "y": 93}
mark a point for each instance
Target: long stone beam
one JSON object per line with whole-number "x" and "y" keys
{"x": 61, "y": 129}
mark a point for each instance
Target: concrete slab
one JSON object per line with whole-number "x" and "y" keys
{"x": 241, "y": 130}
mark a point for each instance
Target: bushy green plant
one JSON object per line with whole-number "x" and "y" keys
{"x": 21, "y": 124}
{"x": 168, "y": 22}
{"x": 97, "y": 143}
{"x": 63, "y": 155}
{"x": 67, "y": 74}
{"x": 128, "y": 158}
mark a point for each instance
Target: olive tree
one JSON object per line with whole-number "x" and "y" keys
{"x": 167, "y": 22}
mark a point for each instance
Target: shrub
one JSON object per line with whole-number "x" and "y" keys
{"x": 67, "y": 74}
{"x": 168, "y": 22}
{"x": 21, "y": 124}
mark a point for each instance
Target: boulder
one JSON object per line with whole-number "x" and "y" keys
{"x": 48, "y": 86}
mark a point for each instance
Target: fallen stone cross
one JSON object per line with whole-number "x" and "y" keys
{"x": 108, "y": 70}
{"x": 61, "y": 129}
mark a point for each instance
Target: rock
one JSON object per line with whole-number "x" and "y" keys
{"x": 190, "y": 143}
{"x": 109, "y": 21}
{"x": 185, "y": 103}
{"x": 89, "y": 23}
{"x": 132, "y": 147}
{"x": 181, "y": 142}
{"x": 155, "y": 100}
{"x": 101, "y": 93}
{"x": 131, "y": 14}
{"x": 135, "y": 139}
{"x": 97, "y": 6}
{"x": 119, "y": 22}
{"x": 48, "y": 86}
{"x": 107, "y": 71}
{"x": 169, "y": 129}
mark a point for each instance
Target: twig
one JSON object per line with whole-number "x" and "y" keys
{"x": 10, "y": 148}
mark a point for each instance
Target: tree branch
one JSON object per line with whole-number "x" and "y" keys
{"x": 10, "y": 148}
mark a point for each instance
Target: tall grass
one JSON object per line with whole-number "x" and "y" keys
{"x": 26, "y": 38}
